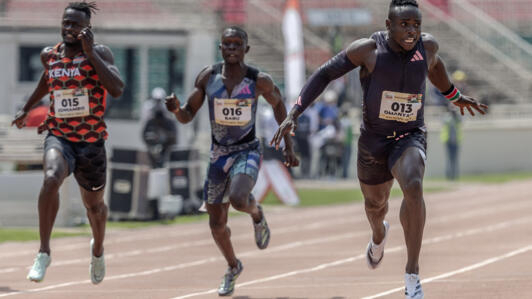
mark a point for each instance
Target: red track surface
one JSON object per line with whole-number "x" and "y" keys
{"x": 477, "y": 244}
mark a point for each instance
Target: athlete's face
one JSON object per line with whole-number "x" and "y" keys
{"x": 233, "y": 46}
{"x": 404, "y": 26}
{"x": 73, "y": 22}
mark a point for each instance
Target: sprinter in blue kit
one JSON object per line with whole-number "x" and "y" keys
{"x": 394, "y": 65}
{"x": 232, "y": 90}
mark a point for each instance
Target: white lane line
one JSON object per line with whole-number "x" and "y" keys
{"x": 362, "y": 256}
{"x": 351, "y": 210}
{"x": 316, "y": 225}
{"x": 196, "y": 263}
{"x": 458, "y": 271}
{"x": 279, "y": 248}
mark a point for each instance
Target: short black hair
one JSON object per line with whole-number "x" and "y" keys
{"x": 396, "y": 3}
{"x": 239, "y": 30}
{"x": 87, "y": 7}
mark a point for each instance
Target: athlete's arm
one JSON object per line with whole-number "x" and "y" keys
{"x": 356, "y": 54}
{"x": 40, "y": 91}
{"x": 186, "y": 113}
{"x": 271, "y": 93}
{"x": 102, "y": 59}
{"x": 437, "y": 74}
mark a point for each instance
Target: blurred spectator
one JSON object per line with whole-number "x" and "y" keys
{"x": 451, "y": 136}
{"x": 347, "y": 133}
{"x": 307, "y": 126}
{"x": 328, "y": 111}
{"x": 160, "y": 131}
{"x": 459, "y": 80}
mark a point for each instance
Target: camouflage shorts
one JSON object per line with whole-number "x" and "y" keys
{"x": 224, "y": 167}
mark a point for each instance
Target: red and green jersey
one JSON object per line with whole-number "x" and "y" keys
{"x": 77, "y": 98}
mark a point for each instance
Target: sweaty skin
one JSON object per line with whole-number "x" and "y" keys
{"x": 233, "y": 48}
{"x": 77, "y": 37}
{"x": 404, "y": 31}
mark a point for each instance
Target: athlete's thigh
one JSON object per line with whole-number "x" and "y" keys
{"x": 58, "y": 159}
{"x": 215, "y": 185}
{"x": 241, "y": 184}
{"x": 244, "y": 172}
{"x": 372, "y": 168}
{"x": 91, "y": 165}
{"x": 409, "y": 166}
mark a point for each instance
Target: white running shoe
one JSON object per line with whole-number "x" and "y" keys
{"x": 413, "y": 288}
{"x": 41, "y": 262}
{"x": 97, "y": 267}
{"x": 375, "y": 252}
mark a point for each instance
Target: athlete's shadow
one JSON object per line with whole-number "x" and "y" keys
{"x": 7, "y": 290}
{"x": 247, "y": 297}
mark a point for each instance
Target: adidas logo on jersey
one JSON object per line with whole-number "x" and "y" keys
{"x": 417, "y": 57}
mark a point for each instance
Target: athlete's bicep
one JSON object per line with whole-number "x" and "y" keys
{"x": 268, "y": 89}
{"x": 107, "y": 56}
{"x": 197, "y": 95}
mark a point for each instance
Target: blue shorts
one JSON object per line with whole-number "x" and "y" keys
{"x": 88, "y": 161}
{"x": 222, "y": 168}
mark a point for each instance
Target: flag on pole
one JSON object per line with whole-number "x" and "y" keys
{"x": 294, "y": 58}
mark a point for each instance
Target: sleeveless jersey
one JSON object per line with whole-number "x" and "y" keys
{"x": 232, "y": 115}
{"x": 394, "y": 93}
{"x": 77, "y": 99}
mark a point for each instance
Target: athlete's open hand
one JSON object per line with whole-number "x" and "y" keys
{"x": 289, "y": 124}
{"x": 172, "y": 103}
{"x": 468, "y": 102}
{"x": 87, "y": 40}
{"x": 20, "y": 119}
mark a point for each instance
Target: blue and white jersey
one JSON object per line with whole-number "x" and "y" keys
{"x": 232, "y": 115}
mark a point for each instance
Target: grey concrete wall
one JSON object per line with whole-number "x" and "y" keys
{"x": 19, "y": 197}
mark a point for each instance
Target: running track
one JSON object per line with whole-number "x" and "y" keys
{"x": 477, "y": 244}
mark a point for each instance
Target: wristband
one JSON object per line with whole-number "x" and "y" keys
{"x": 453, "y": 94}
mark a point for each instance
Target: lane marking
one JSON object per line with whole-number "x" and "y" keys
{"x": 458, "y": 271}
{"x": 351, "y": 210}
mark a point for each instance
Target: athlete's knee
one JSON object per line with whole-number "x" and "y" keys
{"x": 413, "y": 187}
{"x": 97, "y": 208}
{"x": 52, "y": 179}
{"x": 375, "y": 205}
{"x": 239, "y": 200}
{"x": 217, "y": 227}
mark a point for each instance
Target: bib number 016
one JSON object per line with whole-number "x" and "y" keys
{"x": 232, "y": 111}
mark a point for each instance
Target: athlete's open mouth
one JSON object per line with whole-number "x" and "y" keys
{"x": 409, "y": 40}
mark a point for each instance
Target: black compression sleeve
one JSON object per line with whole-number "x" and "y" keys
{"x": 334, "y": 68}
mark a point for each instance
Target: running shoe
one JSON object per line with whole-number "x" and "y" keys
{"x": 413, "y": 288}
{"x": 262, "y": 232}
{"x": 97, "y": 267}
{"x": 41, "y": 262}
{"x": 228, "y": 283}
{"x": 375, "y": 252}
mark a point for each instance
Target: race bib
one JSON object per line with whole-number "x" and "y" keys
{"x": 232, "y": 112}
{"x": 71, "y": 102}
{"x": 401, "y": 107}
